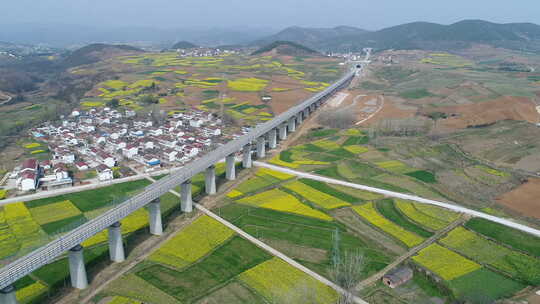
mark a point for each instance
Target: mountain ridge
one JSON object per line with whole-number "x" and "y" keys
{"x": 417, "y": 35}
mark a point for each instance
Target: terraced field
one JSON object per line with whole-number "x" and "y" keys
{"x": 178, "y": 83}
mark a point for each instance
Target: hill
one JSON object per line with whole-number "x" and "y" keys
{"x": 184, "y": 45}
{"x": 285, "y": 48}
{"x": 310, "y": 37}
{"x": 424, "y": 35}
{"x": 95, "y": 52}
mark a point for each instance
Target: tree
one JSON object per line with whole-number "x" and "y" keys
{"x": 341, "y": 119}
{"x": 346, "y": 271}
{"x": 113, "y": 103}
{"x": 148, "y": 99}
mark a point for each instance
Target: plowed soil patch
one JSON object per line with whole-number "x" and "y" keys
{"x": 504, "y": 108}
{"x": 391, "y": 109}
{"x": 524, "y": 199}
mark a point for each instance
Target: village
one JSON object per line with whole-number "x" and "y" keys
{"x": 99, "y": 145}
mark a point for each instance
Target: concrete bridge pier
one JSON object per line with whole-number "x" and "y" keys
{"x": 283, "y": 132}
{"x": 210, "y": 180}
{"x": 306, "y": 113}
{"x": 261, "y": 147}
{"x": 186, "y": 202}
{"x": 77, "y": 269}
{"x": 272, "y": 139}
{"x": 7, "y": 295}
{"x": 292, "y": 124}
{"x": 230, "y": 170}
{"x": 246, "y": 156}
{"x": 116, "y": 246}
{"x": 154, "y": 208}
{"x": 299, "y": 118}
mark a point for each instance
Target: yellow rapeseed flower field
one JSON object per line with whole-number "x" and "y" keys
{"x": 28, "y": 233}
{"x": 280, "y": 282}
{"x": 32, "y": 145}
{"x": 114, "y": 84}
{"x": 276, "y": 199}
{"x": 8, "y": 242}
{"x": 234, "y": 193}
{"x": 355, "y": 149}
{"x": 192, "y": 243}
{"x": 276, "y": 174}
{"x": 444, "y": 262}
{"x": 29, "y": 292}
{"x": 247, "y": 84}
{"x": 326, "y": 144}
{"x": 369, "y": 212}
{"x": 315, "y": 196}
{"x": 131, "y": 223}
{"x": 278, "y": 162}
{"x": 409, "y": 209}
{"x": 54, "y": 212}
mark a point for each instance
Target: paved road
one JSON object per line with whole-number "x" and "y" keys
{"x": 51, "y": 193}
{"x": 453, "y": 207}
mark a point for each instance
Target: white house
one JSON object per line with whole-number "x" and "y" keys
{"x": 170, "y": 155}
{"x": 27, "y": 181}
{"x": 130, "y": 151}
{"x": 104, "y": 173}
{"x": 196, "y": 123}
{"x": 107, "y": 159}
{"x": 28, "y": 175}
{"x": 64, "y": 156}
{"x": 81, "y": 166}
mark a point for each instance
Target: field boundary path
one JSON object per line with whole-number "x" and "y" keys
{"x": 451, "y": 206}
{"x": 377, "y": 276}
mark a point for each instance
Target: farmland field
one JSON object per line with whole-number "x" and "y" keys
{"x": 370, "y": 214}
{"x": 518, "y": 265}
{"x": 315, "y": 196}
{"x": 444, "y": 262}
{"x": 279, "y": 200}
{"x": 312, "y": 237}
{"x": 279, "y": 282}
{"x": 485, "y": 282}
{"x": 192, "y": 243}
{"x": 415, "y": 213}
{"x": 226, "y": 262}
{"x": 517, "y": 239}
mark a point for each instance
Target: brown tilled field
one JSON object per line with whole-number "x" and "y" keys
{"x": 524, "y": 199}
{"x": 484, "y": 113}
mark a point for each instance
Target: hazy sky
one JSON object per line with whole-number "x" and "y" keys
{"x": 264, "y": 13}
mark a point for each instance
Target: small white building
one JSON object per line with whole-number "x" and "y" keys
{"x": 104, "y": 173}
{"x": 130, "y": 151}
{"x": 81, "y": 166}
{"x": 196, "y": 123}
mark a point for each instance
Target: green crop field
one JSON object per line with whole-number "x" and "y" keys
{"x": 520, "y": 266}
{"x": 387, "y": 208}
{"x": 228, "y": 261}
{"x": 517, "y": 239}
{"x": 311, "y": 234}
{"x": 486, "y": 283}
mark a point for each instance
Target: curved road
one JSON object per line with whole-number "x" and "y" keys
{"x": 418, "y": 199}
